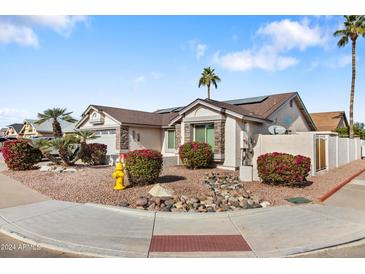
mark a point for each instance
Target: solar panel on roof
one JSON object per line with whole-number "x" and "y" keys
{"x": 169, "y": 110}
{"x": 244, "y": 101}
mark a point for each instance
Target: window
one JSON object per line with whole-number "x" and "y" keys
{"x": 204, "y": 134}
{"x": 171, "y": 139}
{"x": 291, "y": 103}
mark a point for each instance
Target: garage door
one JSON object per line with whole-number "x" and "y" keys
{"x": 107, "y": 137}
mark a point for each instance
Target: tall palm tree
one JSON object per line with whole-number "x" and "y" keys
{"x": 354, "y": 27}
{"x": 55, "y": 114}
{"x": 207, "y": 78}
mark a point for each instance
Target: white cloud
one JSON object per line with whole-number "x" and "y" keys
{"x": 286, "y": 34}
{"x": 197, "y": 47}
{"x": 11, "y": 115}
{"x": 21, "y": 29}
{"x": 245, "y": 60}
{"x": 21, "y": 35}
{"x": 62, "y": 24}
{"x": 278, "y": 38}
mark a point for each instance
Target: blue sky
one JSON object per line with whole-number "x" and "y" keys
{"x": 151, "y": 62}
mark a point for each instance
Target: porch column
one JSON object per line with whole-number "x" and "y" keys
{"x": 188, "y": 133}
{"x": 219, "y": 137}
{"x": 178, "y": 134}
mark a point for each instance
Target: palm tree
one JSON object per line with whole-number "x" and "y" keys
{"x": 55, "y": 114}
{"x": 85, "y": 135}
{"x": 207, "y": 78}
{"x": 354, "y": 27}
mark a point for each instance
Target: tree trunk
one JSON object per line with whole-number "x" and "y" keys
{"x": 352, "y": 95}
{"x": 57, "y": 130}
{"x": 208, "y": 91}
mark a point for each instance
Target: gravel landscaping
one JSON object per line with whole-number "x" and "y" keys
{"x": 197, "y": 190}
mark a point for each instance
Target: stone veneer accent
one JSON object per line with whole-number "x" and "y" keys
{"x": 187, "y": 131}
{"x": 219, "y": 128}
{"x": 122, "y": 137}
{"x": 178, "y": 134}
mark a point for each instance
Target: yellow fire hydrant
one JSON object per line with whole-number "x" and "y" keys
{"x": 118, "y": 175}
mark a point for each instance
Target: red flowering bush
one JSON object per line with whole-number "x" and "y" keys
{"x": 20, "y": 155}
{"x": 94, "y": 154}
{"x": 196, "y": 154}
{"x": 143, "y": 166}
{"x": 283, "y": 168}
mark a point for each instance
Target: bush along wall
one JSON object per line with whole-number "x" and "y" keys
{"x": 196, "y": 155}
{"x": 143, "y": 166}
{"x": 20, "y": 155}
{"x": 283, "y": 169}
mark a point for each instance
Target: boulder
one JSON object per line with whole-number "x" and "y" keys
{"x": 265, "y": 204}
{"x": 46, "y": 168}
{"x": 142, "y": 202}
{"x": 161, "y": 192}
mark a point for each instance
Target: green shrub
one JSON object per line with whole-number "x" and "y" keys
{"x": 143, "y": 166}
{"x": 283, "y": 169}
{"x": 94, "y": 154}
{"x": 196, "y": 154}
{"x": 20, "y": 155}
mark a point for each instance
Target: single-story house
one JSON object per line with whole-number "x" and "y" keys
{"x": 329, "y": 121}
{"x": 32, "y": 130}
{"x": 225, "y": 125}
{"x": 3, "y": 131}
{"x": 13, "y": 130}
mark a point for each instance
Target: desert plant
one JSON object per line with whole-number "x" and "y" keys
{"x": 55, "y": 114}
{"x": 207, "y": 78}
{"x": 354, "y": 27}
{"x": 283, "y": 169}
{"x": 20, "y": 155}
{"x": 196, "y": 154}
{"x": 143, "y": 166}
{"x": 94, "y": 153}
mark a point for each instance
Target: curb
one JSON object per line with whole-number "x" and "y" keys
{"x": 339, "y": 186}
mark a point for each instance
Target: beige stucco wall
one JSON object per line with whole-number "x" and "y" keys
{"x": 150, "y": 138}
{"x": 232, "y": 149}
{"x": 302, "y": 144}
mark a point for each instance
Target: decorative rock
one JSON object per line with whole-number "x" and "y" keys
{"x": 70, "y": 170}
{"x": 46, "y": 168}
{"x": 179, "y": 205}
{"x": 142, "y": 202}
{"x": 161, "y": 192}
{"x": 151, "y": 206}
{"x": 169, "y": 202}
{"x": 124, "y": 204}
{"x": 265, "y": 204}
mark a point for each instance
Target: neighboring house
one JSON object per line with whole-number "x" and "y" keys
{"x": 223, "y": 125}
{"x": 329, "y": 121}
{"x": 3, "y": 131}
{"x": 32, "y": 130}
{"x": 13, "y": 130}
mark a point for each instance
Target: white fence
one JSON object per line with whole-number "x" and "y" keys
{"x": 338, "y": 151}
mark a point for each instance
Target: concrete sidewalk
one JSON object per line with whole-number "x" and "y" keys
{"x": 94, "y": 230}
{"x": 13, "y": 193}
{"x": 350, "y": 196}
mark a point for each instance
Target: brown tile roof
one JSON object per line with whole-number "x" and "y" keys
{"x": 260, "y": 109}
{"x": 266, "y": 107}
{"x": 238, "y": 109}
{"x": 328, "y": 121}
{"x": 129, "y": 116}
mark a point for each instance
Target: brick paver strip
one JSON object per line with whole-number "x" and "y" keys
{"x": 196, "y": 243}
